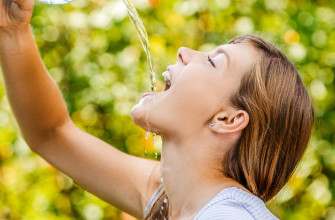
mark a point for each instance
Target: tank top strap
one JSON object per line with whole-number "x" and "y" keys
{"x": 157, "y": 194}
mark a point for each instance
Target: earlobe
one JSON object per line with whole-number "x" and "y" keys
{"x": 225, "y": 124}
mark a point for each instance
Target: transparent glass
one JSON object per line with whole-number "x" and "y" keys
{"x": 55, "y": 2}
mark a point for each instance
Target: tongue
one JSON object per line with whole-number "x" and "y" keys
{"x": 166, "y": 87}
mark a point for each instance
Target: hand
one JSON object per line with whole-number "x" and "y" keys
{"x": 15, "y": 15}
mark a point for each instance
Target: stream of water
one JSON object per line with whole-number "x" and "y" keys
{"x": 142, "y": 34}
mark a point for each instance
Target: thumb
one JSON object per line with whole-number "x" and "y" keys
{"x": 25, "y": 5}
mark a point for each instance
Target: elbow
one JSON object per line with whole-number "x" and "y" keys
{"x": 38, "y": 140}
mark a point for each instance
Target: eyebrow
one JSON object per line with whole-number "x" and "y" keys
{"x": 221, "y": 50}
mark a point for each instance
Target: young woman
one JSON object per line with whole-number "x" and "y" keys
{"x": 234, "y": 123}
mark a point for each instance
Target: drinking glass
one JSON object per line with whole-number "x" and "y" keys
{"x": 55, "y": 2}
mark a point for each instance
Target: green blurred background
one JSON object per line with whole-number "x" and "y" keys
{"x": 92, "y": 51}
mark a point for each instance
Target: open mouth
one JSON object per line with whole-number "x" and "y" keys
{"x": 167, "y": 78}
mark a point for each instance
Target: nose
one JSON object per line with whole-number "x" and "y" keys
{"x": 186, "y": 55}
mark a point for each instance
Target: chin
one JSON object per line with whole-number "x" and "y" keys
{"x": 141, "y": 117}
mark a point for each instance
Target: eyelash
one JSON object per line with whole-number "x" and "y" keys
{"x": 211, "y": 61}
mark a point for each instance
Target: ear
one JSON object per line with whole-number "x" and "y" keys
{"x": 225, "y": 123}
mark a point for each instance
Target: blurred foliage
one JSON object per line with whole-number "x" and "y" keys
{"x": 92, "y": 51}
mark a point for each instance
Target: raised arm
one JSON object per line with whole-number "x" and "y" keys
{"x": 41, "y": 113}
{"x": 34, "y": 97}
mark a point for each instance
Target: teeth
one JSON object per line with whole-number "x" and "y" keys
{"x": 167, "y": 76}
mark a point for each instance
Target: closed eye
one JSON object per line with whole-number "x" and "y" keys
{"x": 211, "y": 61}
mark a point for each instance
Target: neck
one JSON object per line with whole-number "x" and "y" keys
{"x": 192, "y": 174}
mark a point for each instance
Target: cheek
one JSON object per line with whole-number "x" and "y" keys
{"x": 194, "y": 98}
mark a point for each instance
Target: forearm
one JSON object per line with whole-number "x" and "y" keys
{"x": 34, "y": 97}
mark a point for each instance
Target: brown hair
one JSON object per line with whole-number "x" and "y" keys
{"x": 281, "y": 117}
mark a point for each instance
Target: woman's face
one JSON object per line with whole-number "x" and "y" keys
{"x": 201, "y": 86}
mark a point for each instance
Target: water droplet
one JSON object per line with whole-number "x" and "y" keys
{"x": 165, "y": 200}
{"x": 156, "y": 155}
{"x": 162, "y": 179}
{"x": 147, "y": 135}
{"x": 153, "y": 139}
{"x": 148, "y": 173}
{"x": 162, "y": 207}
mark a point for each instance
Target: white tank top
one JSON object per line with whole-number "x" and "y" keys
{"x": 231, "y": 203}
